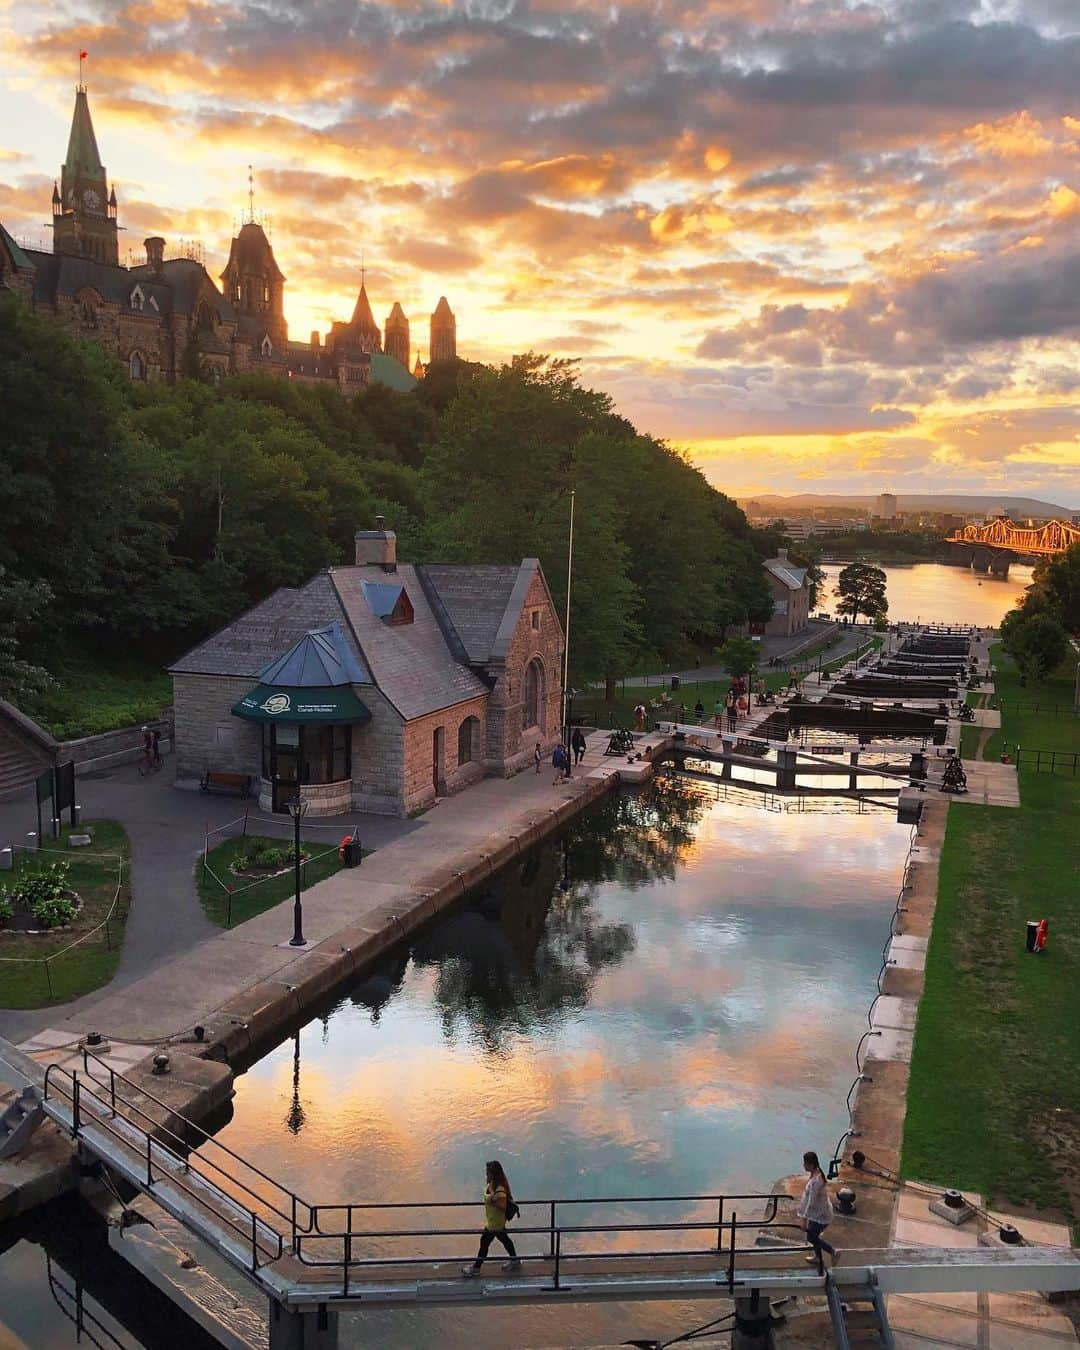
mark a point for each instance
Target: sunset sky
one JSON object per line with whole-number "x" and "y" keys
{"x": 826, "y": 245}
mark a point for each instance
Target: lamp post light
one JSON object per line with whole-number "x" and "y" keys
{"x": 297, "y": 809}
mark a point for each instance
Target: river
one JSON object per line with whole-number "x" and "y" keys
{"x": 666, "y": 1003}
{"x": 938, "y": 593}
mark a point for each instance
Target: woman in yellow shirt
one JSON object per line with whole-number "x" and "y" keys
{"x": 497, "y": 1201}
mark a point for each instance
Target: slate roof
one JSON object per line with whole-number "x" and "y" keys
{"x": 786, "y": 572}
{"x": 411, "y": 664}
{"x": 248, "y": 645}
{"x": 321, "y": 659}
{"x": 474, "y": 600}
{"x": 63, "y": 274}
{"x": 83, "y": 159}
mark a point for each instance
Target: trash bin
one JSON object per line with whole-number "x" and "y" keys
{"x": 1032, "y": 930}
{"x": 351, "y": 852}
{"x": 674, "y": 681}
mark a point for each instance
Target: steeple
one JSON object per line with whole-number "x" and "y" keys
{"x": 364, "y": 331}
{"x": 85, "y": 224}
{"x": 418, "y": 369}
{"x": 443, "y": 346}
{"x": 397, "y": 335}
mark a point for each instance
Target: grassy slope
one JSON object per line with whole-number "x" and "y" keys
{"x": 23, "y": 981}
{"x": 267, "y": 893}
{"x": 98, "y": 693}
{"x": 994, "y": 1097}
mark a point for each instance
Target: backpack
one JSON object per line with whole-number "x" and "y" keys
{"x": 513, "y": 1209}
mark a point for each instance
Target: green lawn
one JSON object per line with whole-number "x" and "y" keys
{"x": 994, "y": 1095}
{"x": 620, "y": 712}
{"x": 26, "y": 981}
{"x": 1053, "y": 727}
{"x": 248, "y": 899}
{"x": 95, "y": 693}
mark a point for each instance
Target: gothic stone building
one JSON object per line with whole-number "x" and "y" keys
{"x": 378, "y": 686}
{"x": 165, "y": 318}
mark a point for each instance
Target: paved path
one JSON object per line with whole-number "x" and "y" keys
{"x": 183, "y": 982}
{"x": 166, "y": 826}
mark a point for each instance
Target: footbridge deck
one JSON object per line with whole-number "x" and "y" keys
{"x": 307, "y": 1257}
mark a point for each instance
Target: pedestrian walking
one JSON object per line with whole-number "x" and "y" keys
{"x": 560, "y": 762}
{"x": 499, "y": 1207}
{"x": 538, "y": 756}
{"x": 815, "y": 1211}
{"x": 699, "y": 712}
{"x": 718, "y": 714}
{"x": 578, "y": 743}
{"x": 639, "y": 716}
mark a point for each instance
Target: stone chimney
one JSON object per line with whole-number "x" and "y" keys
{"x": 155, "y": 254}
{"x": 377, "y": 547}
{"x": 315, "y": 341}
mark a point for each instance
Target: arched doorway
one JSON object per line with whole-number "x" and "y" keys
{"x": 532, "y": 707}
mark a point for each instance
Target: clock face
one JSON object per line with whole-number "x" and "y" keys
{"x": 91, "y": 200}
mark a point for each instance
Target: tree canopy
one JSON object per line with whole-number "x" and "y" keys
{"x": 860, "y": 589}
{"x": 164, "y": 511}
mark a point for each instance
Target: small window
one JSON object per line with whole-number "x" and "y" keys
{"x": 136, "y": 366}
{"x": 466, "y": 740}
{"x": 536, "y": 620}
{"x": 266, "y": 293}
{"x": 138, "y": 300}
{"x": 267, "y": 347}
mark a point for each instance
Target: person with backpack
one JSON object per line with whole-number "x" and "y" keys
{"x": 560, "y": 762}
{"x": 815, "y": 1211}
{"x": 499, "y": 1209}
{"x": 579, "y": 745}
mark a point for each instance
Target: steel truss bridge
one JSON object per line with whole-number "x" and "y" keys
{"x": 313, "y": 1260}
{"x": 994, "y": 545}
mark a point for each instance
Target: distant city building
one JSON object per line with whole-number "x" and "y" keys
{"x": 885, "y": 506}
{"x": 164, "y": 318}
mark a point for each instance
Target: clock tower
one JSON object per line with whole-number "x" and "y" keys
{"x": 84, "y": 207}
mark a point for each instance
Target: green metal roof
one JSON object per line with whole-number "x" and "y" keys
{"x": 18, "y": 257}
{"x": 83, "y": 159}
{"x": 389, "y": 370}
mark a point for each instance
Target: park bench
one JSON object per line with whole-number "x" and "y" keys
{"x": 214, "y": 781}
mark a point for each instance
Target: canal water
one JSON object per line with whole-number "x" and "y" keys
{"x": 938, "y": 593}
{"x": 665, "y": 1002}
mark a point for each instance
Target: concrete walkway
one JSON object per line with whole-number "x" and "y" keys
{"x": 174, "y": 993}
{"x": 166, "y": 826}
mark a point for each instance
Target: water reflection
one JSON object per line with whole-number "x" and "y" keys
{"x": 664, "y": 1002}
{"x": 938, "y": 593}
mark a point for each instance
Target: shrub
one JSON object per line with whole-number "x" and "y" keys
{"x": 6, "y": 910}
{"x": 262, "y": 853}
{"x": 52, "y": 911}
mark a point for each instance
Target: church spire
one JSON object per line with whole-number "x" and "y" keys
{"x": 83, "y": 159}
{"x": 85, "y": 223}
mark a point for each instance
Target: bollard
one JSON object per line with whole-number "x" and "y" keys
{"x": 76, "y": 816}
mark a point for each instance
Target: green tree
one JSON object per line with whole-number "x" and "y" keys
{"x": 1057, "y": 581}
{"x": 861, "y": 590}
{"x": 22, "y": 603}
{"x": 1038, "y": 642}
{"x": 739, "y": 656}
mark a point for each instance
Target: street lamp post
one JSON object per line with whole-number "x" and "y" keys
{"x": 297, "y": 808}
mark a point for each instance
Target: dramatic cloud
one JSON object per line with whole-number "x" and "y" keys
{"x": 839, "y": 242}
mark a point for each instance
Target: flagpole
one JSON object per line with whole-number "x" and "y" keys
{"x": 566, "y": 647}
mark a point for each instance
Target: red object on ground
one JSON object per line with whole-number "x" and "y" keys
{"x": 1041, "y": 933}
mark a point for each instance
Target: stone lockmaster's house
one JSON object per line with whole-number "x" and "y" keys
{"x": 378, "y": 686}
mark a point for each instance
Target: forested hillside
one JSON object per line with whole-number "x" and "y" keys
{"x": 139, "y": 517}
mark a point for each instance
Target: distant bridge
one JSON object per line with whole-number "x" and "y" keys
{"x": 992, "y": 547}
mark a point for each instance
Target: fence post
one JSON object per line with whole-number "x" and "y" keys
{"x": 551, "y": 1240}
{"x": 731, "y": 1256}
{"x": 48, "y": 978}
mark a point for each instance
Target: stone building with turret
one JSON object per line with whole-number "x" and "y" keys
{"x": 165, "y": 318}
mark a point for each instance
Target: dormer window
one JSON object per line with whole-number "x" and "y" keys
{"x": 138, "y": 300}
{"x": 154, "y": 305}
{"x": 388, "y": 602}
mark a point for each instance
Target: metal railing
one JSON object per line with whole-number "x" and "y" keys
{"x": 1054, "y": 710}
{"x": 871, "y": 1031}
{"x": 1048, "y": 761}
{"x": 169, "y": 1156}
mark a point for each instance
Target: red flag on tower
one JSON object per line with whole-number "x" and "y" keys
{"x": 83, "y": 56}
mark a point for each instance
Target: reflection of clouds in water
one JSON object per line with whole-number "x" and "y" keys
{"x": 666, "y": 1025}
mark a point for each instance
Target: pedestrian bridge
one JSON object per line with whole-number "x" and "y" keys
{"x": 312, "y": 1260}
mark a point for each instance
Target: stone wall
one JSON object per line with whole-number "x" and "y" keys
{"x": 419, "y": 778}
{"x": 509, "y": 745}
{"x": 207, "y": 735}
{"x": 377, "y": 764}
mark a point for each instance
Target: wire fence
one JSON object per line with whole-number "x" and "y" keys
{"x": 240, "y": 828}
{"x": 1054, "y": 710}
{"x": 107, "y": 927}
{"x": 1048, "y": 761}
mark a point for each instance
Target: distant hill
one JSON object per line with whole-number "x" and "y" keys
{"x": 933, "y": 501}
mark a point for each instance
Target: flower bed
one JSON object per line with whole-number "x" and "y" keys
{"x": 40, "y": 902}
{"x": 263, "y": 858}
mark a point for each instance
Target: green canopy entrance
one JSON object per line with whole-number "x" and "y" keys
{"x": 290, "y": 704}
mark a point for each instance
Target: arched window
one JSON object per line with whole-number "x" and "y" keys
{"x": 532, "y": 709}
{"x": 267, "y": 347}
{"x": 467, "y": 738}
{"x": 137, "y": 299}
{"x": 136, "y": 366}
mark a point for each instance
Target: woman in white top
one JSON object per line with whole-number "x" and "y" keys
{"x": 815, "y": 1210}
